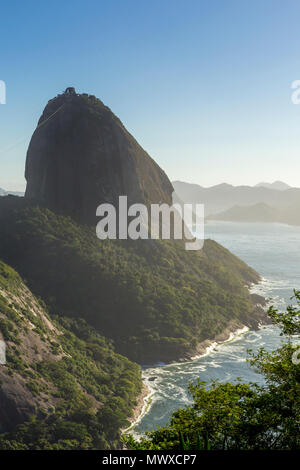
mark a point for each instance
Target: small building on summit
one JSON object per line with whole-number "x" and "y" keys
{"x": 70, "y": 91}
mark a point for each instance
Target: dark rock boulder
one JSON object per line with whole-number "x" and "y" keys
{"x": 81, "y": 155}
{"x": 17, "y": 403}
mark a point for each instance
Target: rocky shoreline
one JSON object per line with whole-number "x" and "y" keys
{"x": 233, "y": 329}
{"x": 142, "y": 406}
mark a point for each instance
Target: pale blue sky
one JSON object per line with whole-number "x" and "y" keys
{"x": 204, "y": 86}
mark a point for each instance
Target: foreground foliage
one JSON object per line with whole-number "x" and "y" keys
{"x": 243, "y": 416}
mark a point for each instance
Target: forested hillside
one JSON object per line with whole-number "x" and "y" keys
{"x": 62, "y": 386}
{"x": 153, "y": 298}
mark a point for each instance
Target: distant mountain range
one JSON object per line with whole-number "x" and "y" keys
{"x": 14, "y": 193}
{"x": 265, "y": 202}
{"x": 279, "y": 185}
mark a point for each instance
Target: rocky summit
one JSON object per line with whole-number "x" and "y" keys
{"x": 81, "y": 155}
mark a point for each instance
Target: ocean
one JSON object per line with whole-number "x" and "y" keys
{"x": 273, "y": 250}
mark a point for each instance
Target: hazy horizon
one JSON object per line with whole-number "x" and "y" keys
{"x": 181, "y": 181}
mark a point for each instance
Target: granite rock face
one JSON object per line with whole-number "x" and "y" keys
{"x": 81, "y": 155}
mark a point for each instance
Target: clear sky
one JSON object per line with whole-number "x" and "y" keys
{"x": 203, "y": 85}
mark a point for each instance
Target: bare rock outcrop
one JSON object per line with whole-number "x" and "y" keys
{"x": 81, "y": 155}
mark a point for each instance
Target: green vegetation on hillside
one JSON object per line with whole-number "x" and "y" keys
{"x": 243, "y": 416}
{"x": 77, "y": 391}
{"x": 153, "y": 298}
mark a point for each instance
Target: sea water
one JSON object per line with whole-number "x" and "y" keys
{"x": 273, "y": 250}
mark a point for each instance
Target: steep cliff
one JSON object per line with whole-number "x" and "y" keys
{"x": 81, "y": 155}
